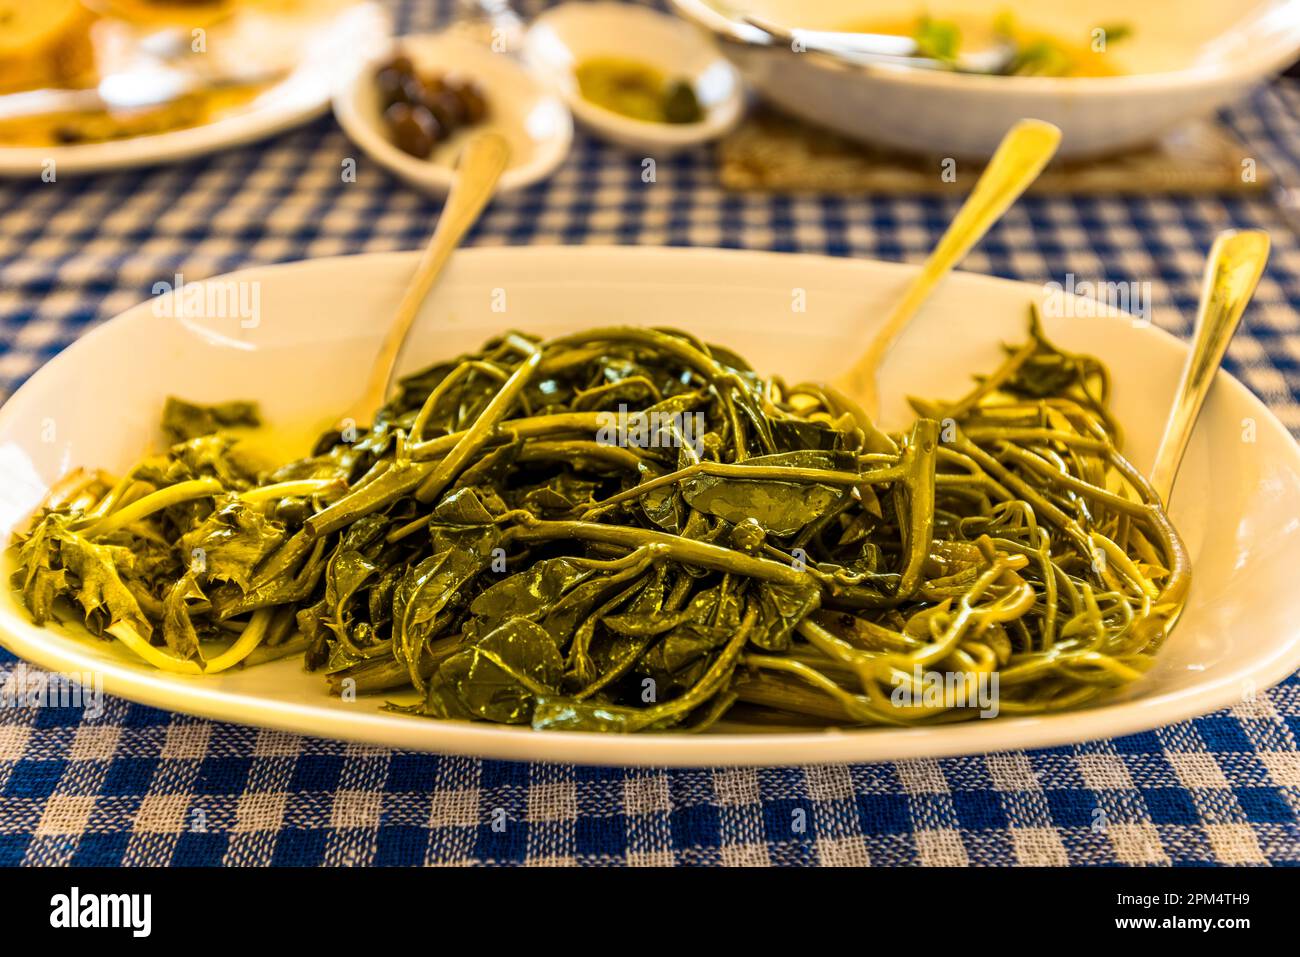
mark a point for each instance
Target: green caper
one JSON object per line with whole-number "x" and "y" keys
{"x": 681, "y": 104}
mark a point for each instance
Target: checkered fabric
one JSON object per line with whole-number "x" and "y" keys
{"x": 140, "y": 786}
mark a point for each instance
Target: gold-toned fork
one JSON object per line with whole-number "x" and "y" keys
{"x": 477, "y": 171}
{"x": 1232, "y": 272}
{"x": 1019, "y": 158}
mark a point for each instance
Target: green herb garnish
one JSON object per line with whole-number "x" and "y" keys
{"x": 1116, "y": 32}
{"x": 937, "y": 39}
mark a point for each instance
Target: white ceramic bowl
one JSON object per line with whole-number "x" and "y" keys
{"x": 327, "y": 36}
{"x": 1184, "y": 59}
{"x": 1237, "y": 502}
{"x": 534, "y": 121}
{"x": 564, "y": 36}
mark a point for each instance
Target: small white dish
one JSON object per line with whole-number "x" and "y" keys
{"x": 1237, "y": 502}
{"x": 534, "y": 121}
{"x": 564, "y": 36}
{"x": 327, "y": 34}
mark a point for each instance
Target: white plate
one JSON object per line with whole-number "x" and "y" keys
{"x": 1237, "y": 502}
{"x": 1183, "y": 60}
{"x": 564, "y": 36}
{"x": 534, "y": 121}
{"x": 327, "y": 43}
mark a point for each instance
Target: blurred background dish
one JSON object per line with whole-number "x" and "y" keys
{"x": 120, "y": 83}
{"x": 1111, "y": 74}
{"x": 44, "y": 44}
{"x": 635, "y": 77}
{"x": 389, "y": 115}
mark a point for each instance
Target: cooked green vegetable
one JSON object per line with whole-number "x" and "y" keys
{"x": 627, "y": 529}
{"x": 937, "y": 39}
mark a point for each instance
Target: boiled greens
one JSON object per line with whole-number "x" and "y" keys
{"x": 627, "y": 529}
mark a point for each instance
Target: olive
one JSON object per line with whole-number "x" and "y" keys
{"x": 447, "y": 107}
{"x": 414, "y": 129}
{"x": 413, "y": 91}
{"x": 471, "y": 98}
{"x": 433, "y": 83}
{"x": 402, "y": 64}
{"x": 391, "y": 87}
{"x": 393, "y": 79}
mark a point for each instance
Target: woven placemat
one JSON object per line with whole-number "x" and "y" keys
{"x": 774, "y": 152}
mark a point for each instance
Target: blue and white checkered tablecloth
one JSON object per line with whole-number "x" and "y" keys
{"x": 139, "y": 786}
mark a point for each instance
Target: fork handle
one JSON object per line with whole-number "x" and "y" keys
{"x": 481, "y": 165}
{"x": 1019, "y": 158}
{"x": 1231, "y": 274}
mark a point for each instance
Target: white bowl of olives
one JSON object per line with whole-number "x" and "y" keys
{"x": 413, "y": 108}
